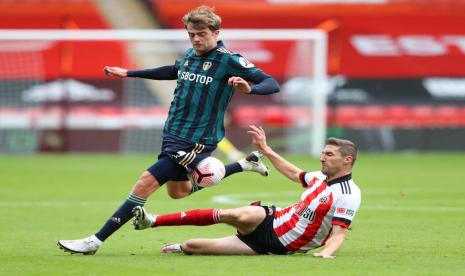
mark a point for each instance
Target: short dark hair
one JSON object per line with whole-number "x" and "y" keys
{"x": 346, "y": 147}
{"x": 202, "y": 17}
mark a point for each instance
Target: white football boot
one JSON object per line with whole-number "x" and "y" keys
{"x": 253, "y": 162}
{"x": 142, "y": 219}
{"x": 172, "y": 248}
{"x": 86, "y": 246}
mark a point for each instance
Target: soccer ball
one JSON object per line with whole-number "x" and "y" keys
{"x": 208, "y": 172}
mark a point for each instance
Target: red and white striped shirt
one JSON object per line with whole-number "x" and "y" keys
{"x": 308, "y": 224}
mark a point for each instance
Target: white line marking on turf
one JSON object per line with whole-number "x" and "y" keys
{"x": 38, "y": 203}
{"x": 278, "y": 198}
{"x": 247, "y": 198}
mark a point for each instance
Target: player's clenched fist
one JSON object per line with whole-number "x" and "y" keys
{"x": 115, "y": 71}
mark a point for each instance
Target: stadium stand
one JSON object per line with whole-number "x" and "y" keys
{"x": 353, "y": 116}
{"x": 36, "y": 78}
{"x": 383, "y": 88}
{"x": 387, "y": 52}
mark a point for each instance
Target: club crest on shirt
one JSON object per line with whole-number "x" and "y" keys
{"x": 244, "y": 62}
{"x": 323, "y": 199}
{"x": 206, "y": 65}
{"x": 186, "y": 63}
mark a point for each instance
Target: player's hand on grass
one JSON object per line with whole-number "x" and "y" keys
{"x": 323, "y": 255}
{"x": 240, "y": 85}
{"x": 115, "y": 71}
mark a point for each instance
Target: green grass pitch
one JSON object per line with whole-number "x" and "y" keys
{"x": 411, "y": 221}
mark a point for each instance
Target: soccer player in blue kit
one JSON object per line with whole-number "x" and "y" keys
{"x": 207, "y": 76}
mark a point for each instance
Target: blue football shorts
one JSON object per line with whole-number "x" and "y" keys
{"x": 167, "y": 167}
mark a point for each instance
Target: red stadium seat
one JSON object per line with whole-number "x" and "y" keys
{"x": 348, "y": 116}
{"x": 447, "y": 116}
{"x": 374, "y": 115}
{"x": 244, "y": 116}
{"x": 299, "y": 115}
{"x": 398, "y": 116}
{"x": 423, "y": 115}
{"x": 109, "y": 111}
{"x": 276, "y": 116}
{"x": 461, "y": 116}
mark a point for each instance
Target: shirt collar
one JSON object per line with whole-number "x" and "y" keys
{"x": 346, "y": 177}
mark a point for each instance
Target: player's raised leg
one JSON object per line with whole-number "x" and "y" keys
{"x": 252, "y": 163}
{"x": 199, "y": 217}
{"x": 244, "y": 219}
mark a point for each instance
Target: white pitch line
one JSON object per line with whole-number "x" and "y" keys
{"x": 278, "y": 198}
{"x": 38, "y": 203}
{"x": 245, "y": 199}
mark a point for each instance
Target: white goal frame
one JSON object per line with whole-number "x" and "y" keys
{"x": 316, "y": 36}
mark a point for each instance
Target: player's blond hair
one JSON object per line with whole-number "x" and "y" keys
{"x": 346, "y": 147}
{"x": 202, "y": 17}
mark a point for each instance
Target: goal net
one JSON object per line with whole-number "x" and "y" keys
{"x": 55, "y": 97}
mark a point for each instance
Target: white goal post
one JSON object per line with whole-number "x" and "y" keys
{"x": 316, "y": 88}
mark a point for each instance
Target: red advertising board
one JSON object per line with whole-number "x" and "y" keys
{"x": 54, "y": 59}
{"x": 407, "y": 46}
{"x": 389, "y": 39}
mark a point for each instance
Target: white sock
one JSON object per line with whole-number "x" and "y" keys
{"x": 152, "y": 219}
{"x": 243, "y": 164}
{"x": 95, "y": 240}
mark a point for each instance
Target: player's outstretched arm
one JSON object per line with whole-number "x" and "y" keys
{"x": 282, "y": 165}
{"x": 333, "y": 243}
{"x": 168, "y": 72}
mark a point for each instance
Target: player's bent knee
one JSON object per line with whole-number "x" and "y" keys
{"x": 231, "y": 215}
{"x": 179, "y": 189}
{"x": 177, "y": 194}
{"x": 192, "y": 246}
